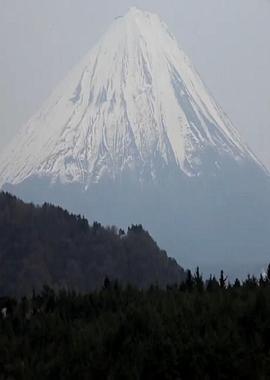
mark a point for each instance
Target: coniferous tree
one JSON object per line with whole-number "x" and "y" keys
{"x": 222, "y": 280}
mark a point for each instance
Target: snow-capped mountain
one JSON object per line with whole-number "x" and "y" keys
{"x": 132, "y": 135}
{"x": 135, "y": 102}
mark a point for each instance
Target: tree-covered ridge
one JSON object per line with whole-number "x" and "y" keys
{"x": 196, "y": 330}
{"x": 47, "y": 245}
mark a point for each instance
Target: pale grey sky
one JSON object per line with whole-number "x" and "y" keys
{"x": 228, "y": 41}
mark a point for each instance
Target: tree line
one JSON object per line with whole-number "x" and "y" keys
{"x": 195, "y": 330}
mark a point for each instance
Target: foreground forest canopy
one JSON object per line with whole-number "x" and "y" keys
{"x": 196, "y": 330}
{"x": 47, "y": 245}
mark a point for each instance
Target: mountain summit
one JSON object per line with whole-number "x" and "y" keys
{"x": 133, "y": 136}
{"x": 134, "y": 104}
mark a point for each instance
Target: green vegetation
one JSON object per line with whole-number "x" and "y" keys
{"x": 198, "y": 330}
{"x": 84, "y": 327}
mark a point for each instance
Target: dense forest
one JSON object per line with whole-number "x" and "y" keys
{"x": 114, "y": 306}
{"x": 196, "y": 330}
{"x": 47, "y": 245}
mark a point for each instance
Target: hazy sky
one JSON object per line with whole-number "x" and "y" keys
{"x": 228, "y": 41}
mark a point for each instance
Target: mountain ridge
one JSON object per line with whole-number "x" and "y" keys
{"x": 46, "y": 245}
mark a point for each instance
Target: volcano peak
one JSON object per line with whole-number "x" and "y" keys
{"x": 134, "y": 104}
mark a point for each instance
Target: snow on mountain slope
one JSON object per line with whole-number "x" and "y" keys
{"x": 135, "y": 102}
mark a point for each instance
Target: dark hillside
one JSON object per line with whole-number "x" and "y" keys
{"x": 47, "y": 245}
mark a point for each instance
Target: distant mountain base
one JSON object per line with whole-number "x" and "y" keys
{"x": 215, "y": 222}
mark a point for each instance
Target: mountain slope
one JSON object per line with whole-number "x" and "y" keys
{"x": 133, "y": 136}
{"x": 47, "y": 245}
{"x": 134, "y": 103}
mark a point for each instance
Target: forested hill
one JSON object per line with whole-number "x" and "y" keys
{"x": 47, "y": 245}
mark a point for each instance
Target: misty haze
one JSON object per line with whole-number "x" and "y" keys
{"x": 135, "y": 189}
